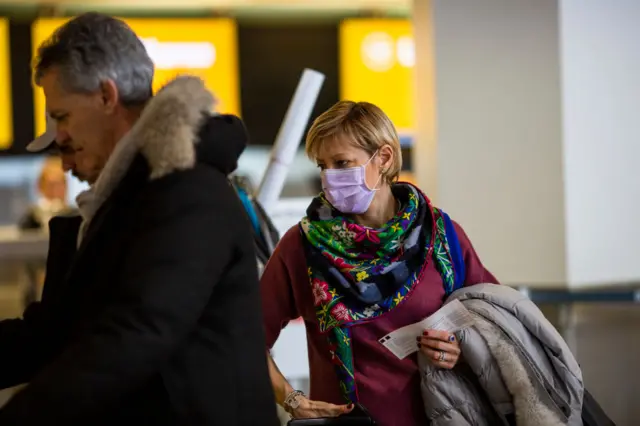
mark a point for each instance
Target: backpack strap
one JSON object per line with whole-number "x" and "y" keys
{"x": 455, "y": 251}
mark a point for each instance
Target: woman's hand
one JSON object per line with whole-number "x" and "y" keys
{"x": 309, "y": 409}
{"x": 440, "y": 347}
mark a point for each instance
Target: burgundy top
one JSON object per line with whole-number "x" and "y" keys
{"x": 389, "y": 388}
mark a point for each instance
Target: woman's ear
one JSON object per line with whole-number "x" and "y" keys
{"x": 385, "y": 154}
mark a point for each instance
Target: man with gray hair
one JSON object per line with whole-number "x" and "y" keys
{"x": 150, "y": 311}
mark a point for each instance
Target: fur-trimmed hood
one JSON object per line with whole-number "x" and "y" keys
{"x": 175, "y": 131}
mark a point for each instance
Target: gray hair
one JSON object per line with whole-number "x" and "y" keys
{"x": 93, "y": 48}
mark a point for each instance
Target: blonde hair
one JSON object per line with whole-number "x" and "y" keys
{"x": 51, "y": 166}
{"x": 364, "y": 124}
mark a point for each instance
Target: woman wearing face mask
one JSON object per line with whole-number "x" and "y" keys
{"x": 371, "y": 256}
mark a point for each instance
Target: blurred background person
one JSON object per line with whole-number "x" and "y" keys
{"x": 51, "y": 201}
{"x": 51, "y": 198}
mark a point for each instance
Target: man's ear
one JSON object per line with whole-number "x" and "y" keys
{"x": 109, "y": 95}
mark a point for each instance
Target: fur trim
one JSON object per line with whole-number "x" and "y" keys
{"x": 530, "y": 410}
{"x": 165, "y": 134}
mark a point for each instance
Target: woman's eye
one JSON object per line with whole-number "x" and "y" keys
{"x": 342, "y": 163}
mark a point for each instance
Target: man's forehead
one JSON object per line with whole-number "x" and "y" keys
{"x": 50, "y": 82}
{"x": 54, "y": 94}
{"x": 55, "y": 106}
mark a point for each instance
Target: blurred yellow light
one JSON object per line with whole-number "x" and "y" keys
{"x": 407, "y": 177}
{"x": 6, "y": 113}
{"x": 203, "y": 47}
{"x": 376, "y": 65}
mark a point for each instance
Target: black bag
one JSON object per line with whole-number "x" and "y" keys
{"x": 359, "y": 416}
{"x": 592, "y": 413}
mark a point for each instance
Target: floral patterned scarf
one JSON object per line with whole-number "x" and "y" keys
{"x": 358, "y": 273}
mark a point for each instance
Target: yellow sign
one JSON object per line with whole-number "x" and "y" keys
{"x": 376, "y": 65}
{"x": 204, "y": 47}
{"x": 6, "y": 114}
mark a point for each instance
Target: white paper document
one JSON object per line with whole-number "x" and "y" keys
{"x": 452, "y": 317}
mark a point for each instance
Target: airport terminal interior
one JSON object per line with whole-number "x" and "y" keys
{"x": 519, "y": 118}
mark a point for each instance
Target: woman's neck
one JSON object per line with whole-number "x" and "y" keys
{"x": 382, "y": 209}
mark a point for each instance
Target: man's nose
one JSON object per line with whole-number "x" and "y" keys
{"x": 61, "y": 136}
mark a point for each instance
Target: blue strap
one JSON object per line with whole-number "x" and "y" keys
{"x": 459, "y": 269}
{"x": 248, "y": 206}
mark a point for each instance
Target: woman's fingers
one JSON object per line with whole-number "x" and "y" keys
{"x": 325, "y": 409}
{"x": 436, "y": 355}
{"x": 439, "y": 335}
{"x": 331, "y": 410}
{"x": 449, "y": 361}
{"x": 439, "y": 345}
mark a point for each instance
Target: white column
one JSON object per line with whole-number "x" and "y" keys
{"x": 499, "y": 132}
{"x": 535, "y": 137}
{"x": 600, "y": 43}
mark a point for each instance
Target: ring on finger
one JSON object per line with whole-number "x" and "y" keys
{"x": 443, "y": 356}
